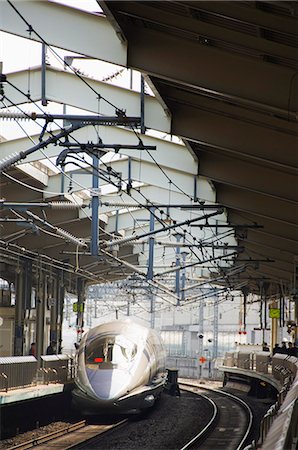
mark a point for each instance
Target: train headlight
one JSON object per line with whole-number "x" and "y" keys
{"x": 149, "y": 399}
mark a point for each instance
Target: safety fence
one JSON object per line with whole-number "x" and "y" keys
{"x": 23, "y": 371}
{"x": 279, "y": 426}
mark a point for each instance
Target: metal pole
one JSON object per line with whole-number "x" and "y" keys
{"x": 178, "y": 266}
{"x": 215, "y": 329}
{"x": 142, "y": 105}
{"x": 43, "y": 74}
{"x": 81, "y": 304}
{"x": 183, "y": 276}
{"x": 95, "y": 207}
{"x": 200, "y": 333}
{"x": 19, "y": 312}
{"x": 152, "y": 310}
{"x": 195, "y": 188}
{"x": 40, "y": 315}
{"x": 151, "y": 247}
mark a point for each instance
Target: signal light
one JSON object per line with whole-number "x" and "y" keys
{"x": 98, "y": 360}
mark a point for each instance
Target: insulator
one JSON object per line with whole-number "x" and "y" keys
{"x": 10, "y": 160}
{"x": 121, "y": 205}
{"x": 16, "y": 115}
{"x": 121, "y": 241}
{"x": 64, "y": 205}
{"x": 69, "y": 237}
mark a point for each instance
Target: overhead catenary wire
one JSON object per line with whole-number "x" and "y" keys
{"x": 190, "y": 197}
{"x": 123, "y": 180}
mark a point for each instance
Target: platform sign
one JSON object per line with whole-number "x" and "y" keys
{"x": 78, "y": 307}
{"x": 202, "y": 360}
{"x": 274, "y": 313}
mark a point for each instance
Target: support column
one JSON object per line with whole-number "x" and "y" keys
{"x": 19, "y": 312}
{"x": 200, "y": 336}
{"x": 178, "y": 264}
{"x": 152, "y": 310}
{"x": 40, "y": 315}
{"x": 43, "y": 74}
{"x": 53, "y": 305}
{"x": 28, "y": 336}
{"x": 215, "y": 329}
{"x": 95, "y": 207}
{"x": 81, "y": 303}
{"x": 183, "y": 275}
{"x": 60, "y": 305}
{"x": 151, "y": 247}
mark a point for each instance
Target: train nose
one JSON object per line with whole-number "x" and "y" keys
{"x": 110, "y": 384}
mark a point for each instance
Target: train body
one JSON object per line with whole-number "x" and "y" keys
{"x": 120, "y": 369}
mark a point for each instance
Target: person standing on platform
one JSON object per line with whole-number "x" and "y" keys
{"x": 276, "y": 349}
{"x": 51, "y": 350}
{"x": 32, "y": 350}
{"x": 265, "y": 347}
{"x": 283, "y": 348}
{"x": 292, "y": 350}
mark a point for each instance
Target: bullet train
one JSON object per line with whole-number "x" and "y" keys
{"x": 120, "y": 369}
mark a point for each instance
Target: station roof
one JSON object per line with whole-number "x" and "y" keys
{"x": 226, "y": 71}
{"x": 225, "y": 74}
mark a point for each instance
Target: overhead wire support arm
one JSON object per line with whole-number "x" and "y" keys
{"x": 159, "y": 230}
{"x": 173, "y": 205}
{"x": 76, "y": 118}
{"x": 102, "y": 145}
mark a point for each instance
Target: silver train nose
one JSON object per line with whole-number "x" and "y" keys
{"x": 109, "y": 384}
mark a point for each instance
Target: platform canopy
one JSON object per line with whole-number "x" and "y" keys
{"x": 227, "y": 73}
{"x": 224, "y": 75}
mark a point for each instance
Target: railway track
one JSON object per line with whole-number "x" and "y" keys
{"x": 229, "y": 426}
{"x": 68, "y": 437}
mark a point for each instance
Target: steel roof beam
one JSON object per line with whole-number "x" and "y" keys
{"x": 96, "y": 37}
{"x": 193, "y": 27}
{"x": 157, "y": 54}
{"x": 259, "y": 205}
{"x": 252, "y": 177}
{"x": 64, "y": 87}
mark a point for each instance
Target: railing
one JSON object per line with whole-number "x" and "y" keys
{"x": 21, "y": 371}
{"x": 279, "y": 426}
{"x": 17, "y": 371}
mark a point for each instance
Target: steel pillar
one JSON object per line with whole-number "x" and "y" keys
{"x": 53, "y": 305}
{"x": 152, "y": 310}
{"x": 19, "y": 312}
{"x": 44, "y": 101}
{"x": 95, "y": 207}
{"x": 178, "y": 266}
{"x": 60, "y": 296}
{"x": 200, "y": 333}
{"x": 215, "y": 328}
{"x": 151, "y": 247}
{"x": 183, "y": 276}
{"x": 40, "y": 315}
{"x": 81, "y": 303}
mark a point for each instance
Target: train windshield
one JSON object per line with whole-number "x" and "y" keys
{"x": 106, "y": 352}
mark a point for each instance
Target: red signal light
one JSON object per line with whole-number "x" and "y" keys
{"x": 98, "y": 360}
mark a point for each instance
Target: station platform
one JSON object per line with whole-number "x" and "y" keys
{"x": 253, "y": 374}
{"x": 33, "y": 392}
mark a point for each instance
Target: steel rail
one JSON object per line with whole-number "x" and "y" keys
{"x": 52, "y": 439}
{"x": 227, "y": 394}
{"x": 209, "y": 425}
{"x": 50, "y": 436}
